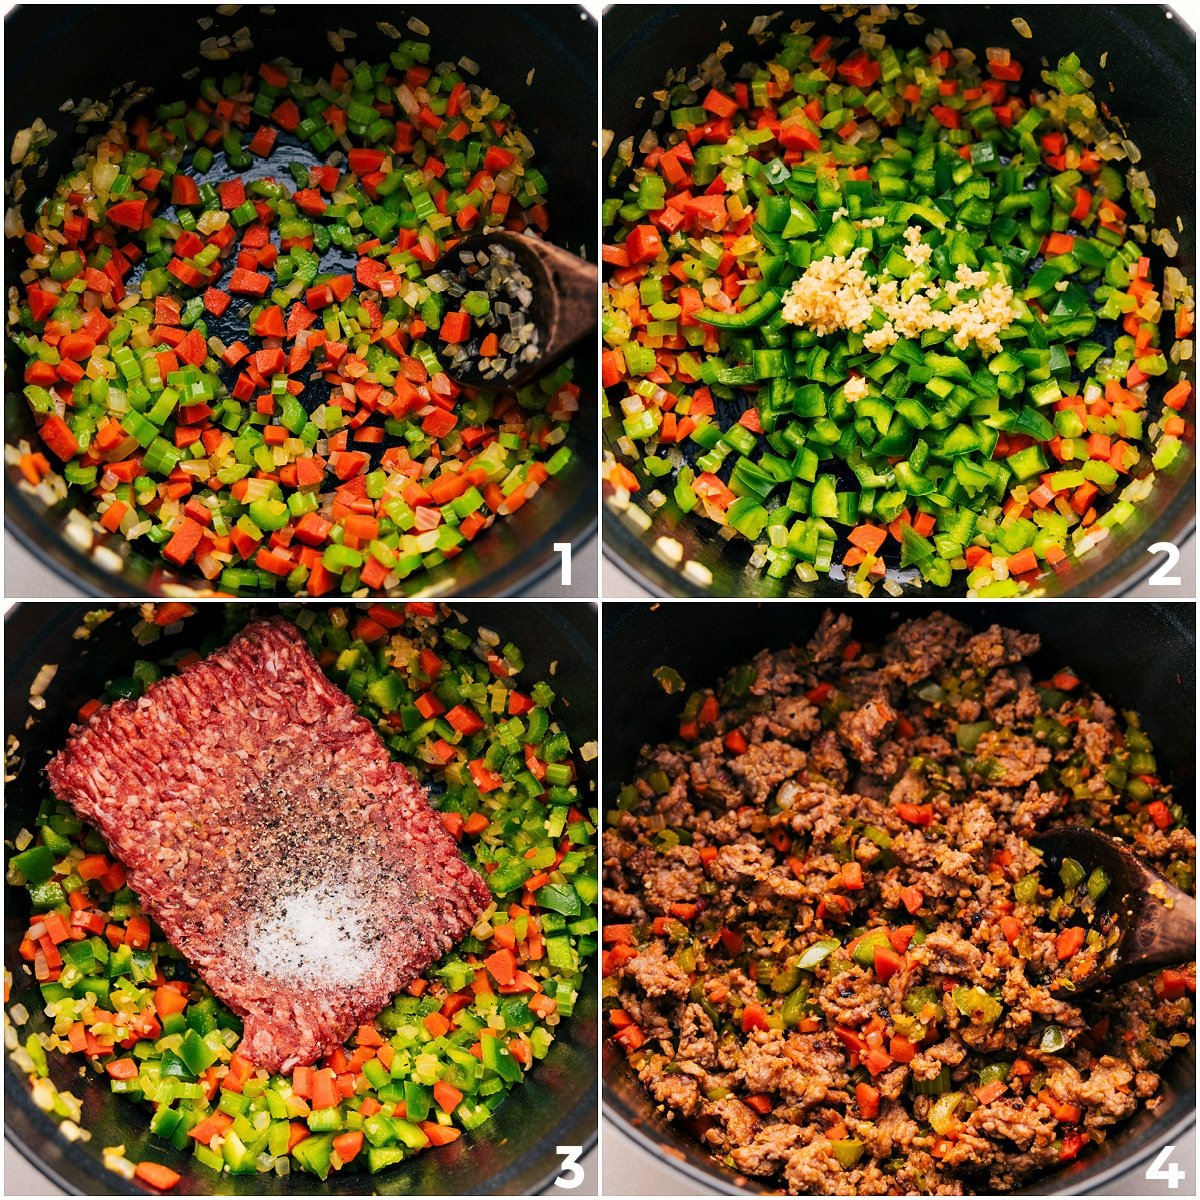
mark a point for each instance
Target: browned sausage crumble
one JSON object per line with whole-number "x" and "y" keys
{"x": 832, "y": 951}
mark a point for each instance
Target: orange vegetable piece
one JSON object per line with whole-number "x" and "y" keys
{"x": 1068, "y": 942}
{"x": 347, "y": 1145}
{"x": 446, "y": 1096}
{"x": 156, "y": 1175}
{"x": 212, "y": 1125}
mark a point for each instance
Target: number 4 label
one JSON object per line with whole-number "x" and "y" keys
{"x": 1162, "y": 1168}
{"x": 1162, "y": 576}
{"x": 572, "y": 1172}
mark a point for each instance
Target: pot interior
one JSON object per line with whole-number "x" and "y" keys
{"x": 1138, "y": 656}
{"x": 555, "y": 106}
{"x": 1140, "y": 42}
{"x": 512, "y": 1154}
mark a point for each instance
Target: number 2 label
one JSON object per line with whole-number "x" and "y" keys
{"x": 1162, "y": 576}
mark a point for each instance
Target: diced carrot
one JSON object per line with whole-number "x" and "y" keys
{"x": 297, "y": 1133}
{"x": 1022, "y": 562}
{"x": 867, "y": 1098}
{"x": 368, "y": 1035}
{"x": 456, "y": 327}
{"x": 1177, "y": 396}
{"x": 887, "y": 963}
{"x": 240, "y": 1070}
{"x": 212, "y": 1125}
{"x": 869, "y": 538}
{"x": 347, "y": 1145}
{"x": 122, "y": 1068}
{"x": 156, "y": 1175}
{"x": 137, "y": 933}
{"x": 168, "y": 1000}
{"x": 183, "y": 544}
{"x": 502, "y": 965}
{"x": 620, "y": 476}
{"x": 475, "y": 824}
{"x": 1060, "y": 1110}
{"x": 852, "y": 876}
{"x": 754, "y": 1017}
{"x": 59, "y": 438}
{"x": 436, "y": 1024}
{"x": 324, "y": 1090}
{"x": 543, "y": 1005}
{"x": 92, "y": 866}
{"x": 1068, "y": 942}
{"x": 440, "y": 1135}
{"x": 446, "y": 1096}
{"x": 877, "y": 1061}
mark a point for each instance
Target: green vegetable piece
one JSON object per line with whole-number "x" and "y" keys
{"x": 864, "y": 952}
{"x": 848, "y": 1151}
{"x": 1053, "y": 1040}
{"x": 817, "y": 953}
{"x": 196, "y": 1053}
{"x": 560, "y": 898}
{"x": 1071, "y": 873}
{"x": 932, "y": 1087}
{"x": 969, "y": 732}
{"x": 975, "y": 1003}
{"x": 1026, "y": 889}
{"x": 1098, "y": 883}
{"x": 669, "y": 680}
{"x": 942, "y": 1114}
{"x": 36, "y": 864}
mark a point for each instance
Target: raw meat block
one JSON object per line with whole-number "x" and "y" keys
{"x": 301, "y": 871}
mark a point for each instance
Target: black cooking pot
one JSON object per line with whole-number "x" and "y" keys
{"x": 58, "y": 54}
{"x": 1139, "y": 656}
{"x": 1149, "y": 82}
{"x": 514, "y": 1153}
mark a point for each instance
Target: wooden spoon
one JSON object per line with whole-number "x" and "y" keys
{"x": 1155, "y": 920}
{"x": 565, "y": 298}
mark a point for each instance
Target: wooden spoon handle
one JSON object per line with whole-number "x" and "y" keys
{"x": 1162, "y": 934}
{"x": 1158, "y": 936}
{"x": 574, "y": 285}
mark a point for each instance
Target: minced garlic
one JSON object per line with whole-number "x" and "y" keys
{"x": 878, "y": 340}
{"x": 836, "y": 293}
{"x": 832, "y": 294}
{"x": 855, "y": 388}
{"x": 916, "y": 251}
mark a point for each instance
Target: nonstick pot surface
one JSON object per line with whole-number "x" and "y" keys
{"x": 1148, "y": 82}
{"x": 1138, "y": 656}
{"x": 513, "y": 1154}
{"x": 46, "y": 66}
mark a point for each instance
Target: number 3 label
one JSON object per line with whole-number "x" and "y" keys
{"x": 1163, "y": 1169}
{"x": 572, "y": 1172}
{"x": 1162, "y": 576}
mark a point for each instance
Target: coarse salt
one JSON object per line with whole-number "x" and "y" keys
{"x": 316, "y": 935}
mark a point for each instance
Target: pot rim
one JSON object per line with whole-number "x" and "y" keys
{"x": 81, "y": 1172}
{"x": 719, "y": 1184}
{"x": 36, "y": 530}
{"x": 1127, "y": 570}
